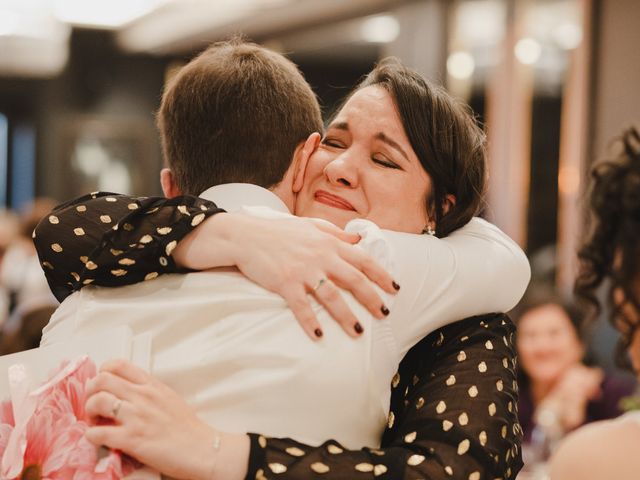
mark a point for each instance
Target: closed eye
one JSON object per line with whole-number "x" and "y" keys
{"x": 332, "y": 142}
{"x": 386, "y": 163}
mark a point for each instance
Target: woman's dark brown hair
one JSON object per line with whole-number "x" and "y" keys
{"x": 540, "y": 295}
{"x": 612, "y": 249}
{"x": 444, "y": 136}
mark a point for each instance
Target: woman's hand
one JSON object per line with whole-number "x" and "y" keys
{"x": 292, "y": 257}
{"x": 569, "y": 398}
{"x": 152, "y": 423}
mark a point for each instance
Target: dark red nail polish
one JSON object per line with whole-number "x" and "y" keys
{"x": 384, "y": 310}
{"x": 358, "y": 328}
{"x": 395, "y": 285}
{"x": 318, "y": 332}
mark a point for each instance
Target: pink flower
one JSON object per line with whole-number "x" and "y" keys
{"x": 7, "y": 423}
{"x": 43, "y": 432}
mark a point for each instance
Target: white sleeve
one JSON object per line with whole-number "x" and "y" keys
{"x": 474, "y": 271}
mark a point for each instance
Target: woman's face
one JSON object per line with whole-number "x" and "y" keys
{"x": 547, "y": 343}
{"x": 365, "y": 168}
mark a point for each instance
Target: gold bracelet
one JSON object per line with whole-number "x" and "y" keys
{"x": 216, "y": 443}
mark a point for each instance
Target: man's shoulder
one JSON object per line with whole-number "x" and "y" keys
{"x": 60, "y": 326}
{"x": 469, "y": 331}
{"x": 212, "y": 284}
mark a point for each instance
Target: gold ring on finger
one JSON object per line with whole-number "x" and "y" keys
{"x": 321, "y": 282}
{"x": 116, "y": 408}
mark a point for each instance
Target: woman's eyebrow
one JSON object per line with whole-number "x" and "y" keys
{"x": 382, "y": 137}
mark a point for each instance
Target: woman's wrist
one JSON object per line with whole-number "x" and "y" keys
{"x": 210, "y": 245}
{"x": 217, "y": 455}
{"x": 230, "y": 458}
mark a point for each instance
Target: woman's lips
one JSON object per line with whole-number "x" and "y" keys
{"x": 332, "y": 200}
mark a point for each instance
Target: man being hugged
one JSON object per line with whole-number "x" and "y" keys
{"x": 261, "y": 372}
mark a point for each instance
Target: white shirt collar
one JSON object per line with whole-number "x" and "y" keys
{"x": 234, "y": 196}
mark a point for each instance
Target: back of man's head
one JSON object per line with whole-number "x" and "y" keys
{"x": 235, "y": 113}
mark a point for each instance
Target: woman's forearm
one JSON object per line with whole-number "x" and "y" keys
{"x": 212, "y": 244}
{"x": 112, "y": 240}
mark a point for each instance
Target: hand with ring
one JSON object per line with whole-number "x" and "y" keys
{"x": 319, "y": 284}
{"x": 293, "y": 257}
{"x": 153, "y": 424}
{"x": 116, "y": 408}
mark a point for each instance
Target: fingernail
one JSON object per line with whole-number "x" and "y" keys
{"x": 358, "y": 328}
{"x": 395, "y": 285}
{"x": 318, "y": 332}
{"x": 384, "y": 310}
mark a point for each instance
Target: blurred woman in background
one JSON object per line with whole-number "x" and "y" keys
{"x": 9, "y": 234}
{"x": 558, "y": 391}
{"x": 612, "y": 252}
{"x": 26, "y": 303}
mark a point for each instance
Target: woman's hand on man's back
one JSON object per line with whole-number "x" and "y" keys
{"x": 292, "y": 257}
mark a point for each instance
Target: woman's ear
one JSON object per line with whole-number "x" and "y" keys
{"x": 448, "y": 203}
{"x": 167, "y": 181}
{"x": 302, "y": 160}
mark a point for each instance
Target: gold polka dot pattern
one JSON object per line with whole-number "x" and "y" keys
{"x": 319, "y": 467}
{"x": 364, "y": 467}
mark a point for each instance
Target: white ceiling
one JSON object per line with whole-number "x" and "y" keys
{"x": 34, "y": 34}
{"x": 181, "y": 25}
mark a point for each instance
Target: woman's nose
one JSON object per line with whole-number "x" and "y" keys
{"x": 342, "y": 171}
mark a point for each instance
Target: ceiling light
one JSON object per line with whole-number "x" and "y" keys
{"x": 101, "y": 14}
{"x": 380, "y": 29}
{"x": 480, "y": 22}
{"x": 460, "y": 65}
{"x": 528, "y": 51}
{"x": 567, "y": 35}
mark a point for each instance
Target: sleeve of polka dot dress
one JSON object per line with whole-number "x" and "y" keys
{"x": 110, "y": 240}
{"x": 453, "y": 415}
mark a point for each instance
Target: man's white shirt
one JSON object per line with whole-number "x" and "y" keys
{"x": 236, "y": 353}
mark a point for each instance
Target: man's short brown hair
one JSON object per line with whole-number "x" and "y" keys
{"x": 235, "y": 113}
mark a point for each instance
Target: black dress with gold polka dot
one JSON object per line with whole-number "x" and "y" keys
{"x": 111, "y": 240}
{"x": 453, "y": 404}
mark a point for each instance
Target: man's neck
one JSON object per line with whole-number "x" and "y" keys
{"x": 234, "y": 196}
{"x": 285, "y": 194}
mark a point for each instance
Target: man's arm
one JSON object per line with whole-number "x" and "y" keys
{"x": 108, "y": 239}
{"x": 475, "y": 271}
{"x": 451, "y": 417}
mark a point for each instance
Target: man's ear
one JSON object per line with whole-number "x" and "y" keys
{"x": 448, "y": 203}
{"x": 302, "y": 160}
{"x": 169, "y": 187}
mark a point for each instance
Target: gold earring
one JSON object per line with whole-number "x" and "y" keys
{"x": 429, "y": 230}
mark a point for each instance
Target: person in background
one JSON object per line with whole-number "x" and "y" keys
{"x": 558, "y": 390}
{"x": 9, "y": 233}
{"x": 29, "y": 301}
{"x": 609, "y": 449}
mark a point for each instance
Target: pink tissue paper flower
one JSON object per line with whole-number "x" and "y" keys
{"x": 42, "y": 430}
